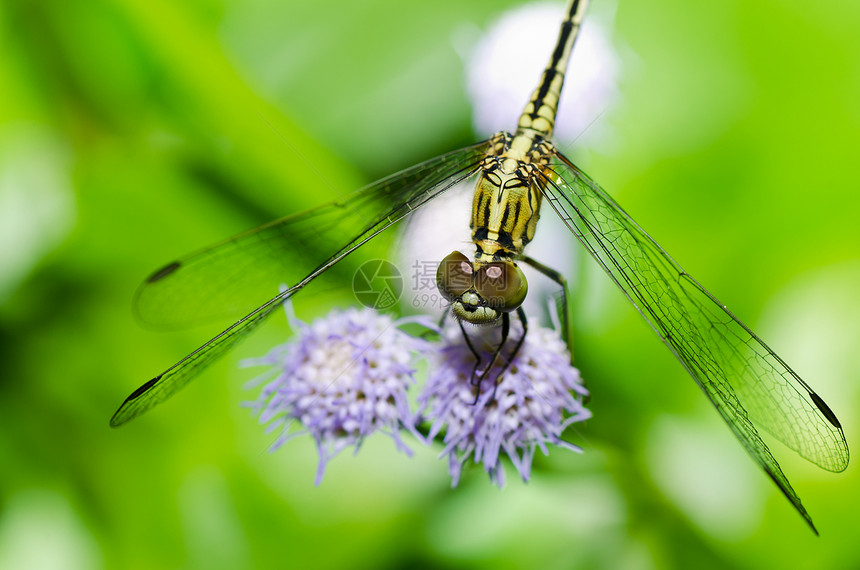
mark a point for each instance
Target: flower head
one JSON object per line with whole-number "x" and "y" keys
{"x": 343, "y": 378}
{"x": 529, "y": 406}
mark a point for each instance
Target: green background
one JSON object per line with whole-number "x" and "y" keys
{"x": 132, "y": 132}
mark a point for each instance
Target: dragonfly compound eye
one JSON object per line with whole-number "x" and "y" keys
{"x": 454, "y": 276}
{"x": 502, "y": 285}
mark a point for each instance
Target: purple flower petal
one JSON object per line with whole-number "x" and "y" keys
{"x": 536, "y": 399}
{"x": 344, "y": 377}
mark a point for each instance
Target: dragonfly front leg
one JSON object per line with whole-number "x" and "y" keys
{"x": 475, "y": 353}
{"x": 506, "y": 330}
{"x": 524, "y": 322}
{"x": 478, "y": 380}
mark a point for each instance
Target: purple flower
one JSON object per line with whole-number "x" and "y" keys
{"x": 536, "y": 398}
{"x": 346, "y": 376}
{"x": 343, "y": 378}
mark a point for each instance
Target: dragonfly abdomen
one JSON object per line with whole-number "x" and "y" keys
{"x": 539, "y": 115}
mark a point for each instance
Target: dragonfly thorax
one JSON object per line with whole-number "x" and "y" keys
{"x": 505, "y": 212}
{"x": 507, "y": 200}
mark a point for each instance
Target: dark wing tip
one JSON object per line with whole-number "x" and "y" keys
{"x": 124, "y": 413}
{"x": 825, "y": 410}
{"x": 137, "y": 393}
{"x": 164, "y": 272}
{"x": 840, "y": 456}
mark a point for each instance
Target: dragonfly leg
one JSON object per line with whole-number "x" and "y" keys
{"x": 564, "y": 310}
{"x": 475, "y": 379}
{"x": 506, "y": 328}
{"x": 510, "y": 358}
{"x": 474, "y": 352}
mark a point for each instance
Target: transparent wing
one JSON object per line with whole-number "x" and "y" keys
{"x": 744, "y": 379}
{"x": 231, "y": 278}
{"x": 301, "y": 248}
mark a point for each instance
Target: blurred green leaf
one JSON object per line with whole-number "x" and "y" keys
{"x": 133, "y": 132}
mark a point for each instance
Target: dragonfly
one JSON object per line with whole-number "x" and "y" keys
{"x": 751, "y": 388}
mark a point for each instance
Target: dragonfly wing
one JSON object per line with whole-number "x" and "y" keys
{"x": 324, "y": 231}
{"x": 232, "y": 277}
{"x": 744, "y": 379}
{"x": 177, "y": 376}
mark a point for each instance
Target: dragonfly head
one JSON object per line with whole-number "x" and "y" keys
{"x": 481, "y": 292}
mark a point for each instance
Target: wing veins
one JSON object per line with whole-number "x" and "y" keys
{"x": 416, "y": 194}
{"x": 639, "y": 293}
{"x": 234, "y": 276}
{"x": 733, "y": 367}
